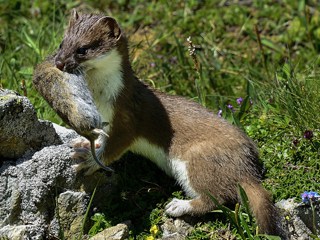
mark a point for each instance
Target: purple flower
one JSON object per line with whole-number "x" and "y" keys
{"x": 152, "y": 64}
{"x": 230, "y": 107}
{"x": 295, "y": 142}
{"x": 239, "y": 100}
{"x": 308, "y": 134}
{"x": 310, "y": 196}
{"x": 304, "y": 197}
{"x": 220, "y": 113}
{"x": 313, "y": 195}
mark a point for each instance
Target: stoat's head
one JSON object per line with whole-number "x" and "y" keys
{"x": 87, "y": 39}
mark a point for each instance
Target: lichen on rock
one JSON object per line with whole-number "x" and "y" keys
{"x": 20, "y": 129}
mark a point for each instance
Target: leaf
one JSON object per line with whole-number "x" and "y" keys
{"x": 268, "y": 43}
{"x": 226, "y": 211}
{"x": 100, "y": 223}
{"x": 244, "y": 107}
{"x": 236, "y": 120}
{"x": 287, "y": 70}
{"x": 301, "y": 5}
{"x": 26, "y": 71}
{"x": 245, "y": 202}
{"x": 245, "y": 226}
{"x": 250, "y": 88}
{"x": 229, "y": 214}
{"x": 28, "y": 40}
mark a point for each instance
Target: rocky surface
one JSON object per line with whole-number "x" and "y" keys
{"x": 118, "y": 232}
{"x": 30, "y": 187}
{"x": 20, "y": 129}
{"x": 299, "y": 219}
{"x": 69, "y": 214}
{"x": 175, "y": 229}
{"x": 42, "y": 197}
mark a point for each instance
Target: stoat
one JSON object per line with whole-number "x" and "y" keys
{"x": 203, "y": 152}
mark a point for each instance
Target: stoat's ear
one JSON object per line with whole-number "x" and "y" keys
{"x": 111, "y": 23}
{"x": 74, "y": 16}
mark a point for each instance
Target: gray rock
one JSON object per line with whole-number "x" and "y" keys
{"x": 299, "y": 218}
{"x": 41, "y": 196}
{"x": 65, "y": 134}
{"x": 20, "y": 130}
{"x": 30, "y": 188}
{"x": 175, "y": 229}
{"x": 30, "y": 185}
{"x": 118, "y": 232}
{"x": 69, "y": 215}
{"x": 19, "y": 232}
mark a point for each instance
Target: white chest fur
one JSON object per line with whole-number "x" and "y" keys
{"x": 154, "y": 153}
{"x": 181, "y": 173}
{"x": 104, "y": 78}
{"x": 173, "y": 167}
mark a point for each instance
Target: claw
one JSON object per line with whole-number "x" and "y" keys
{"x": 80, "y": 153}
{"x": 96, "y": 133}
{"x": 85, "y": 149}
{"x": 93, "y": 152}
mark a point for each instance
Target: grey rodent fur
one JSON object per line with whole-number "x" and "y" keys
{"x": 69, "y": 96}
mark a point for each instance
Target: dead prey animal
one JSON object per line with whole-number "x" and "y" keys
{"x": 69, "y": 96}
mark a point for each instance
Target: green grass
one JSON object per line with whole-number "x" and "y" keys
{"x": 265, "y": 52}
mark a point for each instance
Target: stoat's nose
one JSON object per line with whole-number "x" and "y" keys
{"x": 60, "y": 65}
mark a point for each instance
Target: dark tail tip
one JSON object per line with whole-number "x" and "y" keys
{"x": 265, "y": 212}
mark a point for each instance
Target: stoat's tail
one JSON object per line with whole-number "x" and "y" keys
{"x": 266, "y": 214}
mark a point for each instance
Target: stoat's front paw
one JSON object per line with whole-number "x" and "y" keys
{"x": 91, "y": 167}
{"x": 178, "y": 207}
{"x": 81, "y": 149}
{"x": 83, "y": 156}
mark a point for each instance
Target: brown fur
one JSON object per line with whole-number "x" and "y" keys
{"x": 218, "y": 156}
{"x": 262, "y": 208}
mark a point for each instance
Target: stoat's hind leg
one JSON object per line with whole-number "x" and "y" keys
{"x": 82, "y": 154}
{"x": 196, "y": 206}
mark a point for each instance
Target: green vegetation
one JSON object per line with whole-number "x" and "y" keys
{"x": 267, "y": 53}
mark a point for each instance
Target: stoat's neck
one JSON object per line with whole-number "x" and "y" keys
{"x": 105, "y": 80}
{"x": 128, "y": 105}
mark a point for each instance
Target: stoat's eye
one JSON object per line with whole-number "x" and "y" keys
{"x": 82, "y": 50}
